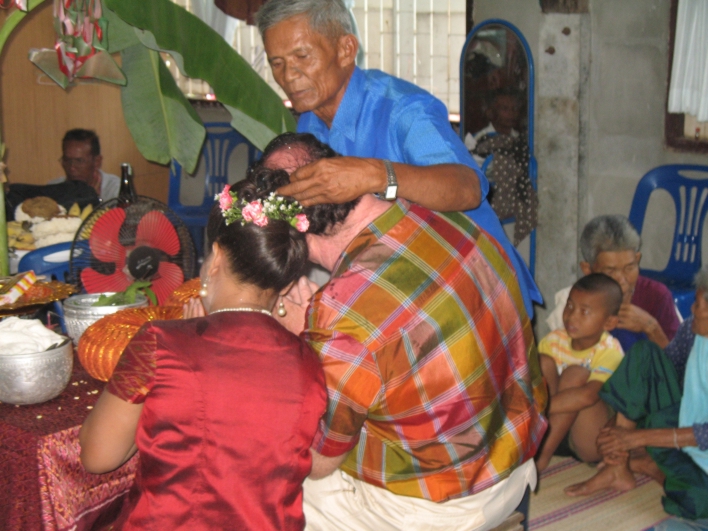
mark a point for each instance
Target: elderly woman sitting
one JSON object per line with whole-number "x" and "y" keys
{"x": 610, "y": 245}
{"x": 661, "y": 399}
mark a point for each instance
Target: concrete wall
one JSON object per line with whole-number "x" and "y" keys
{"x": 600, "y": 103}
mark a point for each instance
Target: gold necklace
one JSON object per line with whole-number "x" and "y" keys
{"x": 243, "y": 309}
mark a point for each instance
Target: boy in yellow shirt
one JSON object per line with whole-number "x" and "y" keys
{"x": 576, "y": 361}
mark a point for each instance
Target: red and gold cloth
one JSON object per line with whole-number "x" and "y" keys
{"x": 101, "y": 345}
{"x": 42, "y": 483}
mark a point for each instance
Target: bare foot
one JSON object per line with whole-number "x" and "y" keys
{"x": 611, "y": 476}
{"x": 644, "y": 464}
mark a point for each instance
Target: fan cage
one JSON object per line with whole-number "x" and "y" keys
{"x": 81, "y": 256}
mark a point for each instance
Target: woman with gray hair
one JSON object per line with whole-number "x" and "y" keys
{"x": 661, "y": 426}
{"x": 610, "y": 245}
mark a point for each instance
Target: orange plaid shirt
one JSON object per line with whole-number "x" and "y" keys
{"x": 429, "y": 357}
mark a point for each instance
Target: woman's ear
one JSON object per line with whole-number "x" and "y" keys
{"x": 216, "y": 260}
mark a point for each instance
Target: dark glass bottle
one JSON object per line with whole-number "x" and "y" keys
{"x": 126, "y": 194}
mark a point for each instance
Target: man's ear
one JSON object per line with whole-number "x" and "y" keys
{"x": 98, "y": 161}
{"x": 585, "y": 268}
{"x": 611, "y": 323}
{"x": 639, "y": 257}
{"x": 347, "y": 48}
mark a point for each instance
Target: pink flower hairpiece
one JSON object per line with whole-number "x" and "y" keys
{"x": 259, "y": 212}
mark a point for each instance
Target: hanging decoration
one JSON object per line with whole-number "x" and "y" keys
{"x": 19, "y": 4}
{"x": 80, "y": 50}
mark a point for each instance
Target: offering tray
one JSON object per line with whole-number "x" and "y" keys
{"x": 39, "y": 294}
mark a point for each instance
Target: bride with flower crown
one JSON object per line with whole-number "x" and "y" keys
{"x": 222, "y": 406}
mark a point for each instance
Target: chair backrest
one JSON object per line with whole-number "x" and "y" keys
{"x": 690, "y": 199}
{"x": 212, "y": 173}
{"x": 52, "y": 261}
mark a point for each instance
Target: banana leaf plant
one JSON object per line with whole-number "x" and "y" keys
{"x": 161, "y": 120}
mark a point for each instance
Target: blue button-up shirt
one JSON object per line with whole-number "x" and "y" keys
{"x": 384, "y": 117}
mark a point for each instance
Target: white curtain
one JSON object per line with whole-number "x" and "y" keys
{"x": 688, "y": 91}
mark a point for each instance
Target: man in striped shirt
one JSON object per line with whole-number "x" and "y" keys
{"x": 435, "y": 392}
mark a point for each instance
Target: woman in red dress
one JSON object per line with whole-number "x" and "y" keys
{"x": 223, "y": 406}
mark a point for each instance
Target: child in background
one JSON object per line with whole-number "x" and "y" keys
{"x": 576, "y": 361}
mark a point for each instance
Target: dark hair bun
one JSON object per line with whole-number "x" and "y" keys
{"x": 269, "y": 257}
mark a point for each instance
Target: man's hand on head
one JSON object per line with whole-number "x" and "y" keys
{"x": 335, "y": 180}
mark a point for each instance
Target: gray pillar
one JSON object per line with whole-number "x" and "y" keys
{"x": 557, "y": 151}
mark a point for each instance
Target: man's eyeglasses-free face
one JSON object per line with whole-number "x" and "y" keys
{"x": 66, "y": 161}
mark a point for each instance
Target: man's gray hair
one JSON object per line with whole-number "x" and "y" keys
{"x": 608, "y": 233}
{"x": 327, "y": 17}
{"x": 701, "y": 281}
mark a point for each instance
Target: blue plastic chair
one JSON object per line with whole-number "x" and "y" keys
{"x": 690, "y": 199}
{"x": 192, "y": 201}
{"x": 51, "y": 261}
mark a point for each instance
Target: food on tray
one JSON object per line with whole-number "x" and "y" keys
{"x": 40, "y": 222}
{"x": 16, "y": 287}
{"x": 25, "y": 336}
{"x": 86, "y": 211}
{"x": 40, "y": 207}
{"x": 55, "y": 230}
{"x": 19, "y": 235}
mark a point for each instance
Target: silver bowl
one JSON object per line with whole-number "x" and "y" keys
{"x": 36, "y": 377}
{"x": 79, "y": 314}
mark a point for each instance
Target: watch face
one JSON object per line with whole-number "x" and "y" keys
{"x": 391, "y": 192}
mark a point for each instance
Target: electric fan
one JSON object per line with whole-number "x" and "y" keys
{"x": 120, "y": 243}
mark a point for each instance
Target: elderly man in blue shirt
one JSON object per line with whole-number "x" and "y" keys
{"x": 396, "y": 137}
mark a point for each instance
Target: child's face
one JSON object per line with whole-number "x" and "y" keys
{"x": 585, "y": 318}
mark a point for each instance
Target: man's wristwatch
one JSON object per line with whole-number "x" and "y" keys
{"x": 392, "y": 185}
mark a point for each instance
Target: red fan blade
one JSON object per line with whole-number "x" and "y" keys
{"x": 169, "y": 277}
{"x": 95, "y": 282}
{"x": 155, "y": 230}
{"x": 104, "y": 242}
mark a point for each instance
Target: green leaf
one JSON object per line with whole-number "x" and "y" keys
{"x": 118, "y": 35}
{"x": 162, "y": 122}
{"x": 257, "y": 111}
{"x": 150, "y": 295}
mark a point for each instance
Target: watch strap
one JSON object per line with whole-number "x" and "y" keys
{"x": 392, "y": 182}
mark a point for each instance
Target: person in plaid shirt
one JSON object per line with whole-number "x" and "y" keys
{"x": 435, "y": 391}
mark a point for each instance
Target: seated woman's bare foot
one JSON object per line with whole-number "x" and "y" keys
{"x": 644, "y": 464}
{"x": 611, "y": 476}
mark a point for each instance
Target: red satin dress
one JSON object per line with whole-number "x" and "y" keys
{"x": 231, "y": 405}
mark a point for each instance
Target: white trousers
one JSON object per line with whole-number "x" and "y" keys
{"x": 341, "y": 503}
